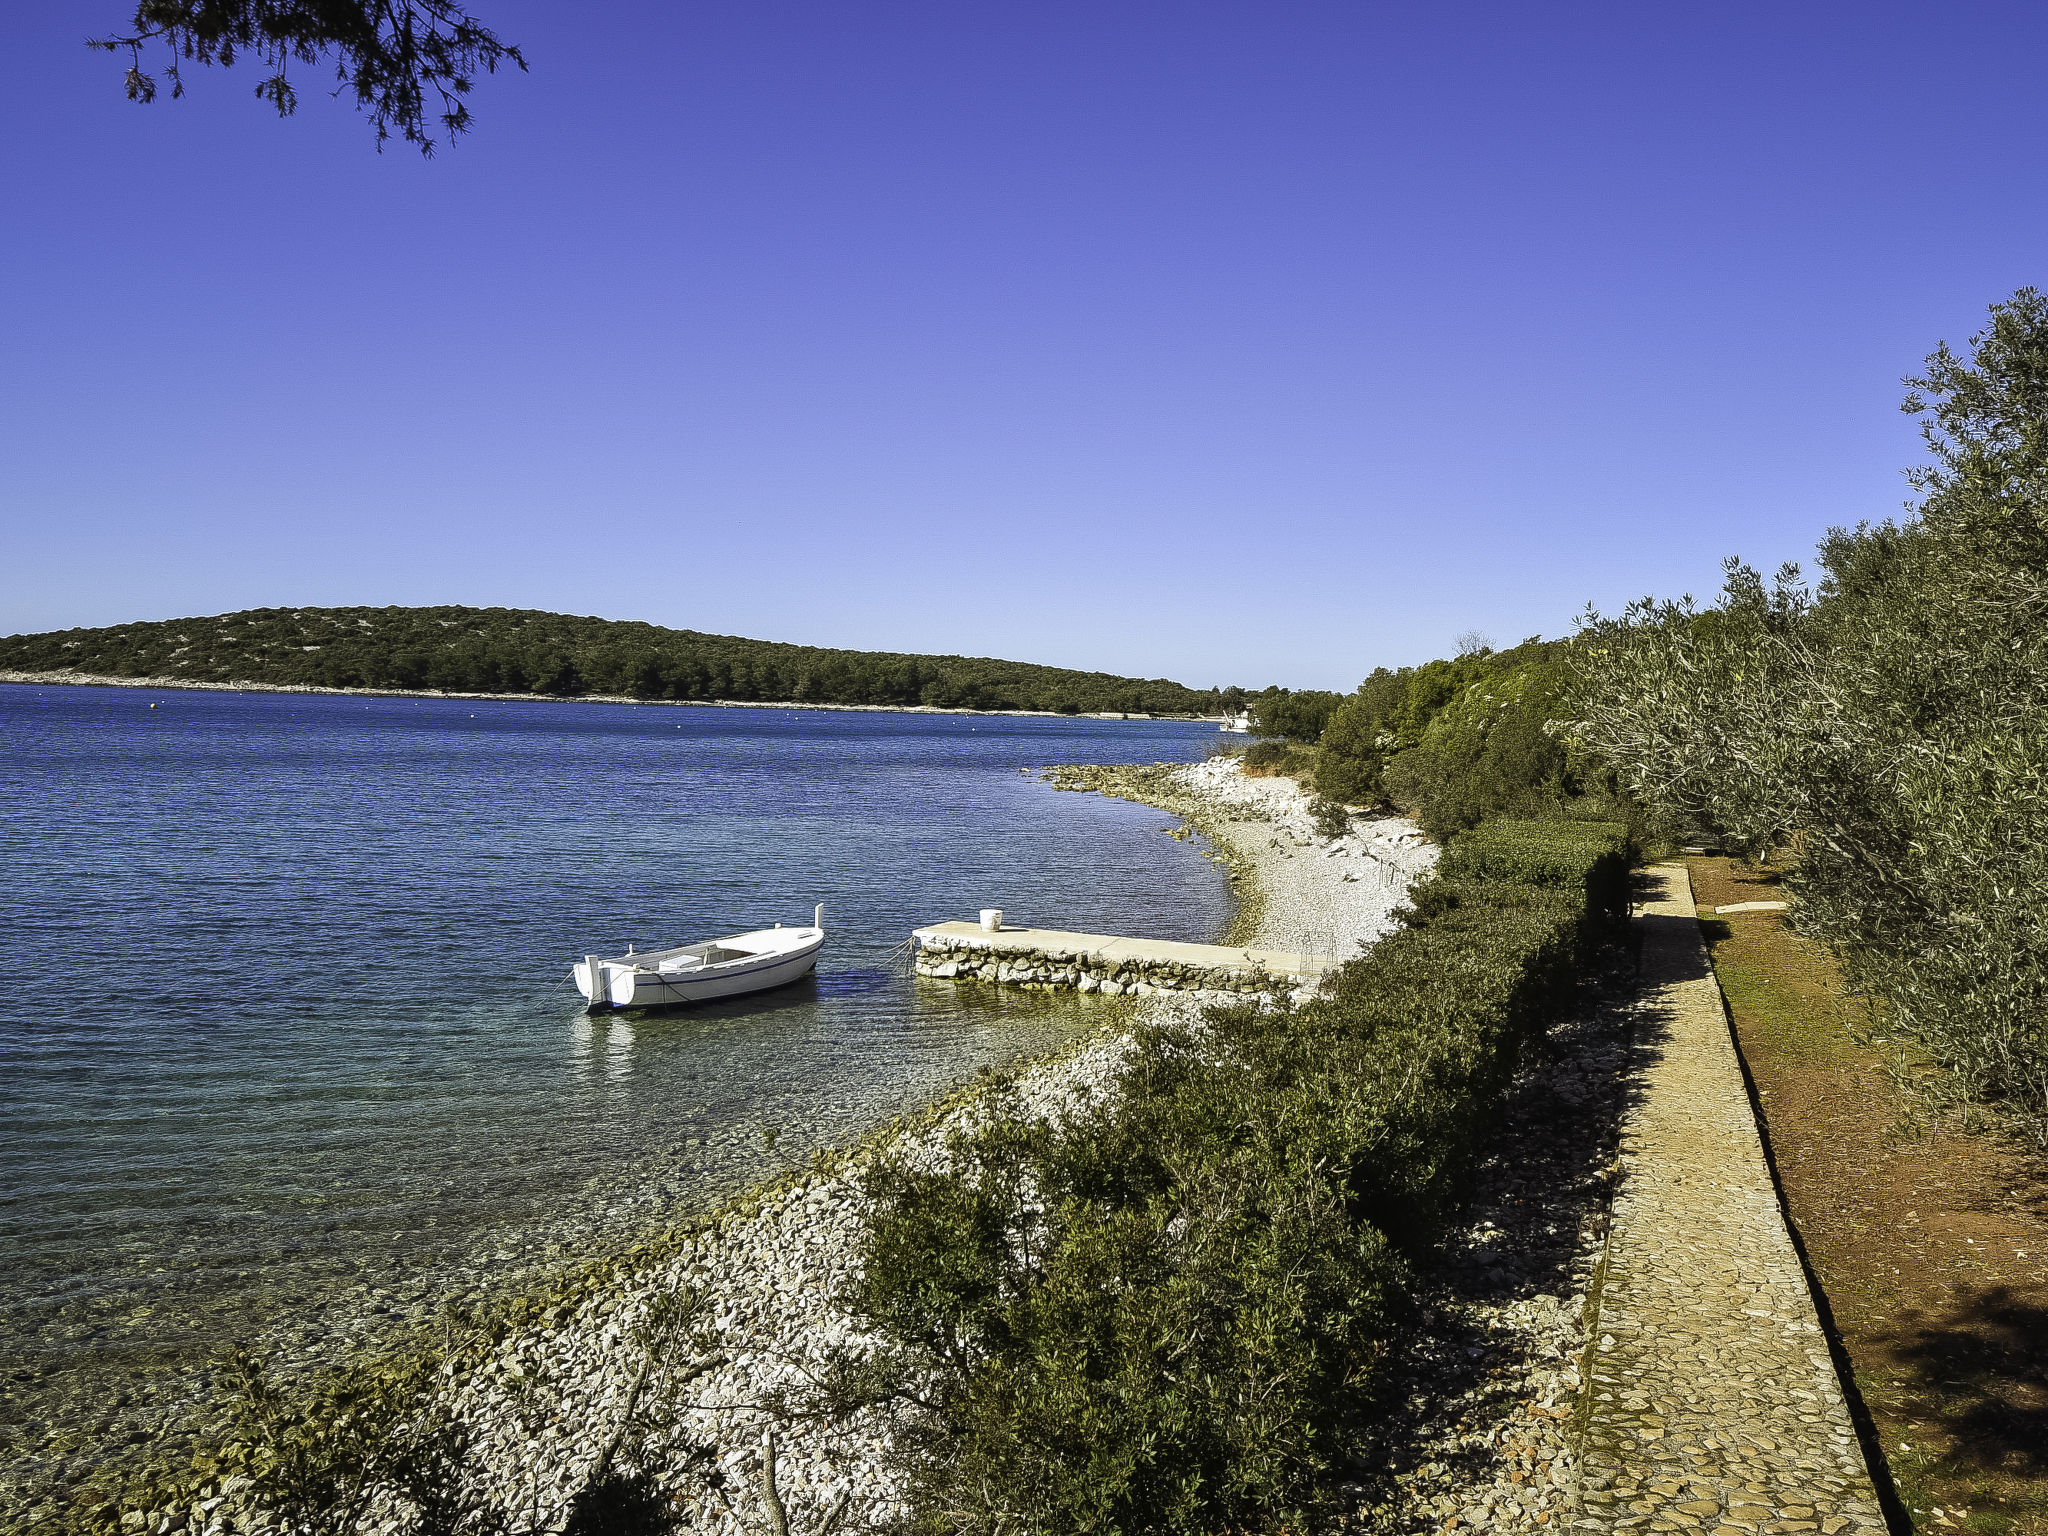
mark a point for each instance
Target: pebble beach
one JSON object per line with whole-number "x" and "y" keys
{"x": 1480, "y": 1439}
{"x": 764, "y": 1282}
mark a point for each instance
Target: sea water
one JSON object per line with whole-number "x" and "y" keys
{"x": 289, "y": 1045}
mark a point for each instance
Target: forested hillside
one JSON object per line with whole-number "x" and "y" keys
{"x": 506, "y": 650}
{"x": 1450, "y": 742}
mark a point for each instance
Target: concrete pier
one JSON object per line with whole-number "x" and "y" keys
{"x": 1050, "y": 958}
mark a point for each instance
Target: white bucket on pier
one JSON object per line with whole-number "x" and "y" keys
{"x": 991, "y": 919}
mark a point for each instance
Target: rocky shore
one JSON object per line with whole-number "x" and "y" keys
{"x": 762, "y": 1284}
{"x": 690, "y": 1359}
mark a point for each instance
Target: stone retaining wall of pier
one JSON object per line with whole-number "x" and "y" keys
{"x": 1081, "y": 968}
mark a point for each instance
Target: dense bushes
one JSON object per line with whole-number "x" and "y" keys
{"x": 1172, "y": 1311}
{"x": 1387, "y": 715}
{"x": 504, "y": 650}
{"x": 1888, "y": 732}
{"x": 1451, "y": 742}
{"x": 1582, "y": 858}
{"x": 1454, "y": 741}
{"x": 1294, "y": 716}
{"x": 1267, "y": 757}
{"x": 1488, "y": 753}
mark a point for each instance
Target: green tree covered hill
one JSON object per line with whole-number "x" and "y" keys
{"x": 506, "y": 650}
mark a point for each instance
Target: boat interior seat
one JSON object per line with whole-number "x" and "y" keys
{"x": 700, "y": 955}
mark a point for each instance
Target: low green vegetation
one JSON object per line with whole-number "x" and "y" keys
{"x": 1282, "y": 757}
{"x": 1455, "y": 741}
{"x": 1173, "y": 1310}
{"x": 1451, "y": 742}
{"x": 1884, "y": 734}
{"x": 1330, "y": 817}
{"x": 509, "y": 650}
{"x": 1293, "y": 716}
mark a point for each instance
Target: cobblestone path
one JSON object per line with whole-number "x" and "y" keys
{"x": 1711, "y": 1401}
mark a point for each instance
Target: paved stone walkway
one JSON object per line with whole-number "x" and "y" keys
{"x": 1711, "y": 1401}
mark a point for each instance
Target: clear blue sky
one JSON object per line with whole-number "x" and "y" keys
{"x": 1258, "y": 342}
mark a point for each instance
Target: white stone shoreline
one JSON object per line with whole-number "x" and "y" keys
{"x": 550, "y": 1398}
{"x": 769, "y": 1278}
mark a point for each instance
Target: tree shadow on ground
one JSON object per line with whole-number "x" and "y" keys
{"x": 1981, "y": 1366}
{"x": 1497, "y": 1309}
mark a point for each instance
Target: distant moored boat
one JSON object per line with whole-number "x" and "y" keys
{"x": 695, "y": 973}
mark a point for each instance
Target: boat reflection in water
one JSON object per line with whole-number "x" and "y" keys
{"x": 601, "y": 1051}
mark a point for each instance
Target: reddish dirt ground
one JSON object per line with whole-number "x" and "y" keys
{"x": 1929, "y": 1245}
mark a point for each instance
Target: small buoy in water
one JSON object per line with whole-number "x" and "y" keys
{"x": 152, "y": 706}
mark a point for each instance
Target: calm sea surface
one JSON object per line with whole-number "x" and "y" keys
{"x": 289, "y": 1044}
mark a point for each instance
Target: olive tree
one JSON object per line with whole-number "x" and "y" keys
{"x": 1886, "y": 733}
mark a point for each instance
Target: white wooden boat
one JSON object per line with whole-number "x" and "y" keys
{"x": 695, "y": 973}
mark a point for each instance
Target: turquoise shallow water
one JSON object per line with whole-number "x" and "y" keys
{"x": 290, "y": 1043}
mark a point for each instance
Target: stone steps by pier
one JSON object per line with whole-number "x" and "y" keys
{"x": 1711, "y": 1401}
{"x": 1051, "y": 959}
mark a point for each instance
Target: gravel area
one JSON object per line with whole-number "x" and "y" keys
{"x": 1490, "y": 1380}
{"x": 767, "y": 1280}
{"x": 767, "y": 1327}
{"x": 1324, "y": 896}
{"x": 1480, "y": 1438}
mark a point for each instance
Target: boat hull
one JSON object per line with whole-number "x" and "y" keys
{"x": 627, "y": 985}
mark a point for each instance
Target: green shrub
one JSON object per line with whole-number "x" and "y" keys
{"x": 1478, "y": 722}
{"x": 1330, "y": 818}
{"x": 1589, "y": 858}
{"x": 1294, "y": 716}
{"x": 1283, "y": 757}
{"x": 1434, "y": 901}
{"x": 1351, "y": 756}
{"x": 1487, "y": 753}
{"x": 1172, "y": 1312}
